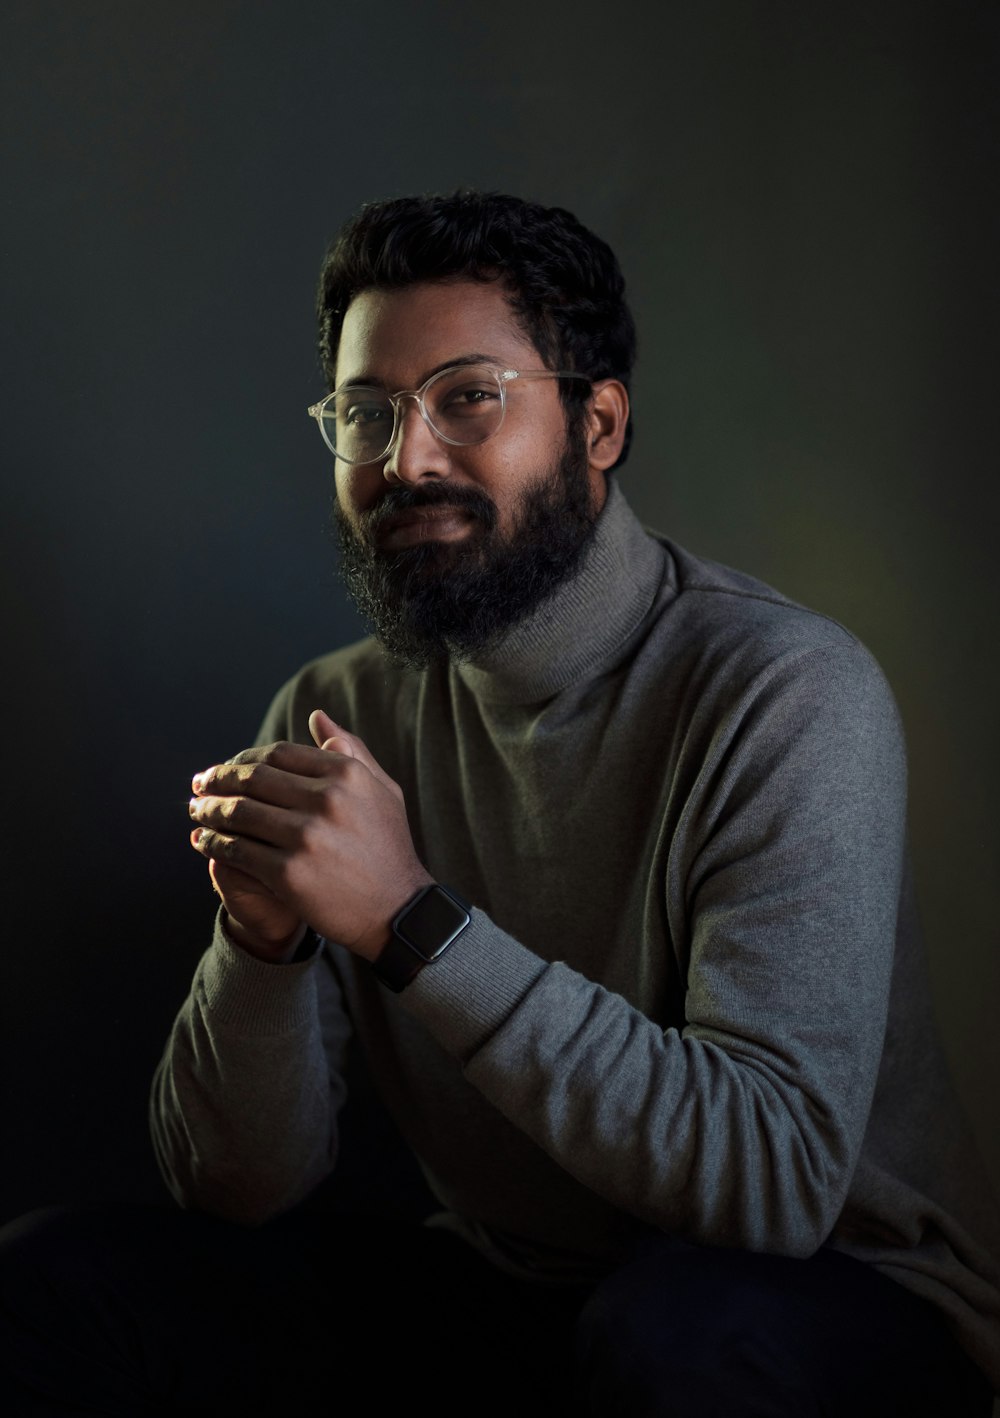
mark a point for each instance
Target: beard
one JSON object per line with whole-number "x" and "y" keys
{"x": 459, "y": 599}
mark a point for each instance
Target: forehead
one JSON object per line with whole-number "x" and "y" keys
{"x": 399, "y": 336}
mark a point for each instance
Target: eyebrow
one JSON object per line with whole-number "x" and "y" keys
{"x": 373, "y": 380}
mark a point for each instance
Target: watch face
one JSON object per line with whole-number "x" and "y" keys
{"x": 431, "y": 924}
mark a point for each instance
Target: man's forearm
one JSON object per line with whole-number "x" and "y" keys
{"x": 244, "y": 1101}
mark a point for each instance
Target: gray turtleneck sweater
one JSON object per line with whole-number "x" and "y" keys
{"x": 692, "y": 997}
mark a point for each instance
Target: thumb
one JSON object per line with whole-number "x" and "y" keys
{"x": 332, "y": 737}
{"x": 326, "y": 734}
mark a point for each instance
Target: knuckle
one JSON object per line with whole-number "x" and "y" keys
{"x": 228, "y": 848}
{"x": 216, "y": 844}
{"x": 251, "y": 756}
{"x": 285, "y": 876}
{"x": 310, "y": 833}
{"x": 348, "y": 772}
{"x": 328, "y": 795}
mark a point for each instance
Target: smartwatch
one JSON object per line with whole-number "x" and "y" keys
{"x": 421, "y": 933}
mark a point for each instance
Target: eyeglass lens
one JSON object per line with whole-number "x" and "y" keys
{"x": 464, "y": 405}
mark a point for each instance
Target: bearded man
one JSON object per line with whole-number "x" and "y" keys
{"x": 597, "y": 851}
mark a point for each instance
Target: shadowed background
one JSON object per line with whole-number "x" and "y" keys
{"x": 803, "y": 199}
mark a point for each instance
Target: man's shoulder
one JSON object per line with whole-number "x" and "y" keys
{"x": 716, "y": 603}
{"x": 730, "y": 638}
{"x": 728, "y": 652}
{"x": 362, "y": 662}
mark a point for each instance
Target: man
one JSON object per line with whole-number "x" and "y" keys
{"x": 597, "y": 849}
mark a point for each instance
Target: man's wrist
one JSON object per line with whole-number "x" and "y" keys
{"x": 370, "y": 946}
{"x": 426, "y": 926}
{"x": 271, "y": 952}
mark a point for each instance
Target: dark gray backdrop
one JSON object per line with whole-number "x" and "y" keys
{"x": 803, "y": 198}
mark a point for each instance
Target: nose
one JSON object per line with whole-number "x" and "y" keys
{"x": 417, "y": 453}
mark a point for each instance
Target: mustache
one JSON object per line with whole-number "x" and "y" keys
{"x": 395, "y": 500}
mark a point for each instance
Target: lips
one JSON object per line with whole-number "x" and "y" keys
{"x": 420, "y": 524}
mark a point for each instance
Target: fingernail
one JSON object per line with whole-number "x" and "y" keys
{"x": 198, "y": 780}
{"x": 196, "y": 836}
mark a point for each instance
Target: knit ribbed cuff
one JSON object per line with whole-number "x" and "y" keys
{"x": 464, "y": 997}
{"x": 250, "y": 996}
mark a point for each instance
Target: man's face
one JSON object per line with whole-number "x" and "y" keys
{"x": 444, "y": 548}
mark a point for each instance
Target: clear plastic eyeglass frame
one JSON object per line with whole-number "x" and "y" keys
{"x": 502, "y": 376}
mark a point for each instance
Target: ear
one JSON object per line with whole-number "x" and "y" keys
{"x": 607, "y": 423}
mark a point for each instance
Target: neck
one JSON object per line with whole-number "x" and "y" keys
{"x": 585, "y": 623}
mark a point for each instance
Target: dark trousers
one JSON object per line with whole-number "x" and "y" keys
{"x": 140, "y": 1311}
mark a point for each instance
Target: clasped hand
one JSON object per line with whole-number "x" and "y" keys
{"x": 297, "y": 835}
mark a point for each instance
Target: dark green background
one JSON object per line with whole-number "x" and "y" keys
{"x": 804, "y": 201}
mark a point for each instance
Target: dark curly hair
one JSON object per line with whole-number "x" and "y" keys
{"x": 564, "y": 283}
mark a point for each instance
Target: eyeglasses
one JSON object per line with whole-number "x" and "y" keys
{"x": 462, "y": 405}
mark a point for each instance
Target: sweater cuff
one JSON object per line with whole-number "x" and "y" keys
{"x": 250, "y": 996}
{"x": 464, "y": 997}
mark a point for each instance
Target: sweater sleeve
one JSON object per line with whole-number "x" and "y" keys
{"x": 245, "y": 1099}
{"x": 743, "y": 1126}
{"x": 244, "y": 1104}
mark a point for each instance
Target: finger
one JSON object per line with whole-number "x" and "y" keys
{"x": 231, "y": 879}
{"x": 254, "y": 859}
{"x": 255, "y": 780}
{"x": 329, "y": 736}
{"x": 295, "y": 759}
{"x": 233, "y": 885}
{"x": 338, "y": 740}
{"x": 246, "y": 817}
{"x": 269, "y": 752}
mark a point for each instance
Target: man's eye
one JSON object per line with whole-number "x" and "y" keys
{"x": 363, "y": 415}
{"x": 470, "y": 395}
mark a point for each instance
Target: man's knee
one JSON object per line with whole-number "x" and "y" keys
{"x": 657, "y": 1337}
{"x": 68, "y": 1242}
{"x": 701, "y": 1332}
{"x": 40, "y": 1247}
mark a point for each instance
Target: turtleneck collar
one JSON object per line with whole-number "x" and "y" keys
{"x": 585, "y": 622}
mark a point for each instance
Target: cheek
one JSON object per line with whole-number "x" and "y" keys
{"x": 530, "y": 456}
{"x": 357, "y": 489}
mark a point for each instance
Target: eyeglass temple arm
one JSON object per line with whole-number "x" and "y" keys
{"x": 508, "y": 374}
{"x": 315, "y": 410}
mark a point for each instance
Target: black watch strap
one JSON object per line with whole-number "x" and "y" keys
{"x": 428, "y": 924}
